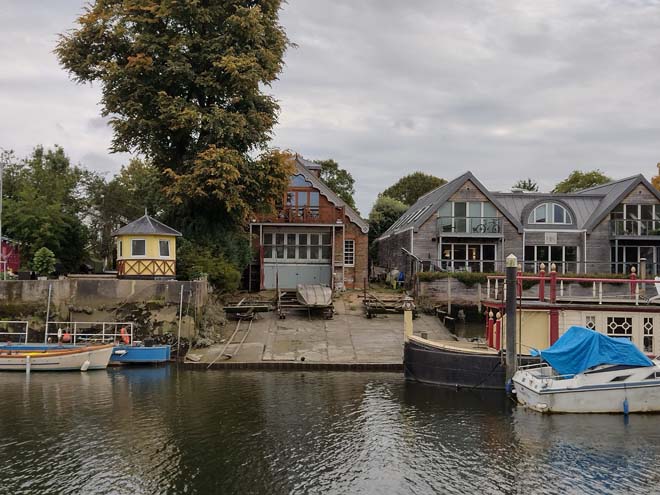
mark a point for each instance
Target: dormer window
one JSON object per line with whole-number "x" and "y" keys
{"x": 550, "y": 213}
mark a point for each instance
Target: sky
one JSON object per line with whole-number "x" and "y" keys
{"x": 505, "y": 89}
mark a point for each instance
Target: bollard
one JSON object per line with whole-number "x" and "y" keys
{"x": 28, "y": 365}
{"x": 408, "y": 307}
{"x": 511, "y": 276}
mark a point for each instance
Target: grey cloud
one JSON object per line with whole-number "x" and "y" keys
{"x": 505, "y": 89}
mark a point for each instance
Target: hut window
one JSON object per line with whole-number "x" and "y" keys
{"x": 138, "y": 247}
{"x": 121, "y": 250}
{"x": 164, "y": 246}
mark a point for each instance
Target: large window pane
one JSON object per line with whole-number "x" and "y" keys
{"x": 559, "y": 214}
{"x": 489, "y": 210}
{"x": 460, "y": 214}
{"x": 314, "y": 199}
{"x": 542, "y": 253}
{"x": 326, "y": 239}
{"x": 540, "y": 214}
{"x": 488, "y": 252}
{"x": 138, "y": 247}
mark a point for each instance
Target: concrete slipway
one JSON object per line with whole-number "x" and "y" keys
{"x": 348, "y": 341}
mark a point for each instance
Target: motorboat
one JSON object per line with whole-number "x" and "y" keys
{"x": 54, "y": 358}
{"x": 585, "y": 371}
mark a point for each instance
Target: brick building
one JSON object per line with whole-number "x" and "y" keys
{"x": 313, "y": 238}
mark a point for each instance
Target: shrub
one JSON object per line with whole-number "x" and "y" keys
{"x": 44, "y": 262}
{"x": 194, "y": 261}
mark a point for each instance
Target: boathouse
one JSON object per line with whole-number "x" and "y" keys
{"x": 314, "y": 237}
{"x": 146, "y": 249}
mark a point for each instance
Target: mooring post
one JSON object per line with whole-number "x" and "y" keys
{"x": 511, "y": 289}
{"x": 178, "y": 337}
{"x": 408, "y": 307}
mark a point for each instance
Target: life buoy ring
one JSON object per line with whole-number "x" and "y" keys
{"x": 125, "y": 338}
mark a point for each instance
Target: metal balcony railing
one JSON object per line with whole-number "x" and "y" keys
{"x": 470, "y": 225}
{"x": 634, "y": 228}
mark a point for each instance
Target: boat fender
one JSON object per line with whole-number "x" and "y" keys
{"x": 66, "y": 337}
{"x": 124, "y": 336}
{"x": 625, "y": 407}
{"x": 85, "y": 365}
{"x": 59, "y": 334}
{"x": 508, "y": 387}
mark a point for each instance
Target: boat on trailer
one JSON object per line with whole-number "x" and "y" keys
{"x": 588, "y": 372}
{"x": 54, "y": 358}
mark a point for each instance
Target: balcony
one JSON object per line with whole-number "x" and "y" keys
{"x": 307, "y": 214}
{"x": 470, "y": 226}
{"x": 634, "y": 228}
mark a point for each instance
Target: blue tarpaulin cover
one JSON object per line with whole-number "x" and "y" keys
{"x": 580, "y": 349}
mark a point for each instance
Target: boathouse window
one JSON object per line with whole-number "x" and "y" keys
{"x": 292, "y": 247}
{"x": 468, "y": 257}
{"x": 590, "y": 322}
{"x": 565, "y": 257}
{"x": 550, "y": 213}
{"x": 469, "y": 217}
{"x": 648, "y": 334}
{"x": 138, "y": 247}
{"x": 620, "y": 326}
{"x": 164, "y": 248}
{"x": 349, "y": 252}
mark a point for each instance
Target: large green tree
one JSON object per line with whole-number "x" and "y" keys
{"x": 410, "y": 188}
{"x": 384, "y": 213}
{"x": 578, "y": 180}
{"x": 339, "y": 180}
{"x": 44, "y": 201}
{"x": 183, "y": 84}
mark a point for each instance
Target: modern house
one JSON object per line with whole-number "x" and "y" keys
{"x": 464, "y": 226}
{"x": 313, "y": 238}
{"x": 146, "y": 249}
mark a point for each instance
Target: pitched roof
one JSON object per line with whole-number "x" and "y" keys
{"x": 614, "y": 192}
{"x": 304, "y": 168}
{"x": 146, "y": 225}
{"x": 428, "y": 204}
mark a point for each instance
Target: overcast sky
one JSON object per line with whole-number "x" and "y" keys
{"x": 506, "y": 89}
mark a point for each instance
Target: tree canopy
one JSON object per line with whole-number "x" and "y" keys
{"x": 655, "y": 180}
{"x": 578, "y": 180}
{"x": 182, "y": 84}
{"x": 384, "y": 213}
{"x": 339, "y": 180}
{"x": 410, "y": 188}
{"x": 44, "y": 202}
{"x": 526, "y": 185}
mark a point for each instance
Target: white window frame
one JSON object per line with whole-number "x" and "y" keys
{"x": 287, "y": 247}
{"x": 169, "y": 248}
{"x": 537, "y": 262}
{"x": 120, "y": 248}
{"x": 133, "y": 255}
{"x": 349, "y": 254}
{"x": 550, "y": 214}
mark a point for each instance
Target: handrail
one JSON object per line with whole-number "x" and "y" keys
{"x": 105, "y": 334}
{"x": 16, "y": 322}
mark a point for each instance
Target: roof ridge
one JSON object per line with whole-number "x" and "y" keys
{"x": 610, "y": 183}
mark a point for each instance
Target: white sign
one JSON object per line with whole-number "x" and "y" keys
{"x": 551, "y": 238}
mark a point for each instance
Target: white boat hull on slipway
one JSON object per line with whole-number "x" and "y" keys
{"x": 80, "y": 359}
{"x": 602, "y": 390}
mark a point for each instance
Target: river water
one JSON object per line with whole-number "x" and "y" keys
{"x": 164, "y": 430}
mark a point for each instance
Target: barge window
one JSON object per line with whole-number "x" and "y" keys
{"x": 619, "y": 326}
{"x": 620, "y": 378}
{"x": 648, "y": 334}
{"x": 590, "y": 322}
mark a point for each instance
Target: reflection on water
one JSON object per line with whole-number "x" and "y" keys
{"x": 163, "y": 430}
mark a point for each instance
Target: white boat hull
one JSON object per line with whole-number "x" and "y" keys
{"x": 630, "y": 390}
{"x": 90, "y": 358}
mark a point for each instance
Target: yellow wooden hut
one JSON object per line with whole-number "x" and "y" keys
{"x": 146, "y": 249}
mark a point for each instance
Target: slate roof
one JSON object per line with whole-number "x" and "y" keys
{"x": 428, "y": 204}
{"x": 589, "y": 206}
{"x": 520, "y": 204}
{"x": 146, "y": 225}
{"x": 304, "y": 168}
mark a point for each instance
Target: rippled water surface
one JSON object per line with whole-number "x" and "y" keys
{"x": 163, "y": 430}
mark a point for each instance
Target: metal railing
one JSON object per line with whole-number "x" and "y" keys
{"x": 634, "y": 228}
{"x": 631, "y": 290}
{"x": 470, "y": 225}
{"x": 89, "y": 331}
{"x": 22, "y": 333}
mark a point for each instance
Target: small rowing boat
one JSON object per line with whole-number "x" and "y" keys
{"x": 54, "y": 358}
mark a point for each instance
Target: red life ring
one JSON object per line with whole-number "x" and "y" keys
{"x": 125, "y": 338}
